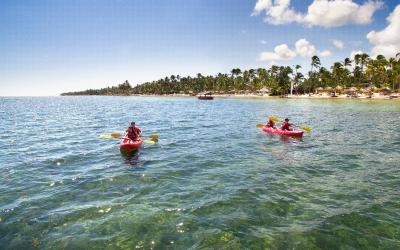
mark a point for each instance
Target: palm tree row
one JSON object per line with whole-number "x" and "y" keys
{"x": 362, "y": 72}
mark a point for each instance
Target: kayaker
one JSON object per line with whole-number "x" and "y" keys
{"x": 286, "y": 125}
{"x": 270, "y": 124}
{"x": 133, "y": 132}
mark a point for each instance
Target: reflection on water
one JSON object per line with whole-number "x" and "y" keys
{"x": 132, "y": 158}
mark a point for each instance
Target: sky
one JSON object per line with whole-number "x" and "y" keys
{"x": 52, "y": 46}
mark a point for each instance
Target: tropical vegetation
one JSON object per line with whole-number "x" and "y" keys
{"x": 363, "y": 73}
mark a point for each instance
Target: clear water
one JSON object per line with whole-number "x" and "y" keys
{"x": 213, "y": 180}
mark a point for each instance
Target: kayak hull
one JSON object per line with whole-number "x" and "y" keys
{"x": 128, "y": 145}
{"x": 282, "y": 132}
{"x": 205, "y": 97}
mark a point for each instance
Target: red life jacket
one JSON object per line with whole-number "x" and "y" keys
{"x": 132, "y": 133}
{"x": 286, "y": 126}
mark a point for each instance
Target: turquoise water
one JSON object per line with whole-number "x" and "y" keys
{"x": 213, "y": 180}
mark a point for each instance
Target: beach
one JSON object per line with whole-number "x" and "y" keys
{"x": 375, "y": 96}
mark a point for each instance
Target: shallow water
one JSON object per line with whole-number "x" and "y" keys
{"x": 212, "y": 181}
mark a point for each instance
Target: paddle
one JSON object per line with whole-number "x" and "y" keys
{"x": 153, "y": 138}
{"x": 305, "y": 129}
{"x": 273, "y": 118}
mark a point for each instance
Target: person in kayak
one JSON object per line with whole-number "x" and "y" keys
{"x": 133, "y": 132}
{"x": 270, "y": 124}
{"x": 286, "y": 125}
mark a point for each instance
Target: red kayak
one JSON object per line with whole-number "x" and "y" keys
{"x": 277, "y": 131}
{"x": 129, "y": 145}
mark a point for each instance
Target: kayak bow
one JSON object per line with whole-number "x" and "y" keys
{"x": 129, "y": 145}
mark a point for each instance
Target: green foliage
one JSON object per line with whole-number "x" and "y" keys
{"x": 364, "y": 72}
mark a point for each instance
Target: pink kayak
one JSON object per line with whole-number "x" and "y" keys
{"x": 282, "y": 132}
{"x": 129, "y": 145}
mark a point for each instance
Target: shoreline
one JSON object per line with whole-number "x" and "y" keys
{"x": 316, "y": 97}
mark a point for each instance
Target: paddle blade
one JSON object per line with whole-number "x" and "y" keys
{"x": 105, "y": 136}
{"x": 259, "y": 125}
{"x": 154, "y": 137}
{"x": 274, "y": 118}
{"x": 149, "y": 142}
{"x": 116, "y": 135}
{"x": 306, "y": 129}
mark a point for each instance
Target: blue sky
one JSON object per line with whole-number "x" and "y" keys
{"x": 48, "y": 47}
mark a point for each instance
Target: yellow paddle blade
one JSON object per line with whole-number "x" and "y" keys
{"x": 259, "y": 125}
{"x": 306, "y": 129}
{"x": 116, "y": 135}
{"x": 105, "y": 136}
{"x": 153, "y": 136}
{"x": 149, "y": 142}
{"x": 274, "y": 118}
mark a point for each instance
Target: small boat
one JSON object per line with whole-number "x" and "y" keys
{"x": 278, "y": 131}
{"x": 205, "y": 96}
{"x": 128, "y": 145}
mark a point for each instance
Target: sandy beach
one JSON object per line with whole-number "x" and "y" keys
{"x": 375, "y": 96}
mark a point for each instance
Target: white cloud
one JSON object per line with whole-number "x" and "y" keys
{"x": 340, "y": 12}
{"x": 302, "y": 48}
{"x": 387, "y": 41}
{"x": 284, "y": 52}
{"x": 325, "y": 53}
{"x": 325, "y": 13}
{"x": 281, "y": 52}
{"x": 338, "y": 44}
{"x": 305, "y": 48}
{"x": 281, "y": 13}
{"x": 262, "y": 5}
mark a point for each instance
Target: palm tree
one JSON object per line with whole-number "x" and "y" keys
{"x": 347, "y": 62}
{"x": 236, "y": 72}
{"x": 297, "y": 77}
{"x": 315, "y": 64}
{"x": 391, "y": 71}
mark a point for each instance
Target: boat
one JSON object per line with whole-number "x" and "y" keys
{"x": 205, "y": 96}
{"x": 278, "y": 131}
{"x": 128, "y": 145}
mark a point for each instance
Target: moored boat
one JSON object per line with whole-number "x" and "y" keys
{"x": 205, "y": 96}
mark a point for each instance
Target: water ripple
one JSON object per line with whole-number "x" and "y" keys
{"x": 212, "y": 181}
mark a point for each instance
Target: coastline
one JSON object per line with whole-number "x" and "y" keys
{"x": 376, "y": 96}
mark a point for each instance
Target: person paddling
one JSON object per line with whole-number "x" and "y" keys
{"x": 286, "y": 125}
{"x": 270, "y": 124}
{"x": 133, "y": 132}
